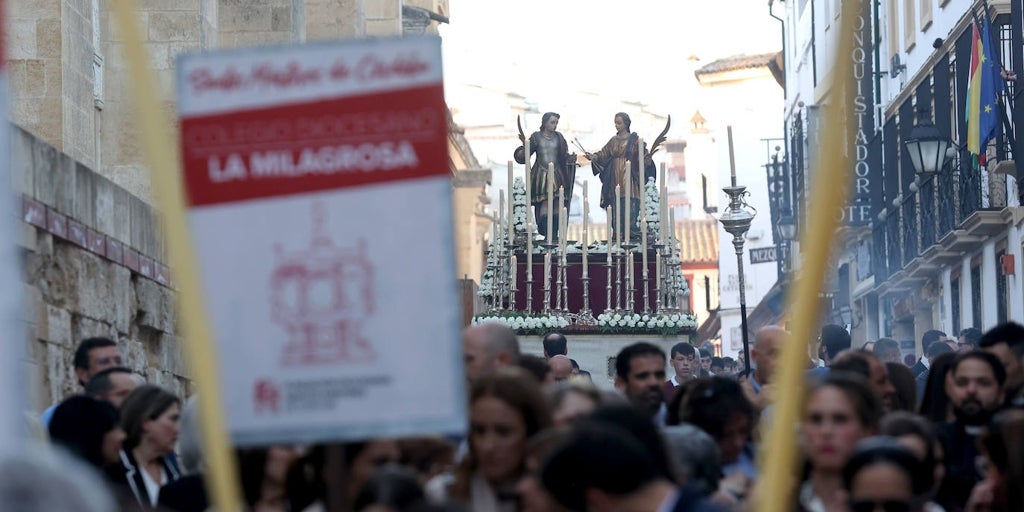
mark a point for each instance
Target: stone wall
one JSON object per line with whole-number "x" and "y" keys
{"x": 94, "y": 265}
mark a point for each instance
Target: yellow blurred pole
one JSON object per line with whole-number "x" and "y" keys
{"x": 830, "y": 189}
{"x": 160, "y": 149}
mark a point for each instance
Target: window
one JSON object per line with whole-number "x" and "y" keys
{"x": 909, "y": 20}
{"x": 1001, "y": 289}
{"x": 926, "y": 14}
{"x": 954, "y": 292}
{"x": 976, "y": 293}
{"x": 894, "y": 28}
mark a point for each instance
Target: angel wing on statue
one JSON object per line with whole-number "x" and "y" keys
{"x": 610, "y": 165}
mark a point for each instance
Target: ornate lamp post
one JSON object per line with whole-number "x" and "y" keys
{"x": 926, "y": 146}
{"x": 736, "y": 220}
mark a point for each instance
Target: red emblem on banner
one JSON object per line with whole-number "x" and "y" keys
{"x": 322, "y": 297}
{"x": 266, "y": 396}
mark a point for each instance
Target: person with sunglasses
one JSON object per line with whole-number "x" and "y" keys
{"x": 882, "y": 475}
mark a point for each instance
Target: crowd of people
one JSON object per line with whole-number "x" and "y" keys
{"x": 944, "y": 432}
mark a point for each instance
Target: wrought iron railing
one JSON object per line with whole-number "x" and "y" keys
{"x": 879, "y": 264}
{"x": 893, "y": 249}
{"x": 910, "y": 244}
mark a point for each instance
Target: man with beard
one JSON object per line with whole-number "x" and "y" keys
{"x": 639, "y": 374}
{"x": 975, "y": 386}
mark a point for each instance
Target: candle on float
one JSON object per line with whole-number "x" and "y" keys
{"x": 561, "y": 230}
{"x": 586, "y": 222}
{"x": 501, "y": 213}
{"x": 609, "y": 208}
{"x": 628, "y": 207}
{"x": 642, "y": 192}
{"x": 662, "y": 203}
{"x": 619, "y": 215}
{"x": 551, "y": 202}
{"x": 511, "y": 206}
{"x": 564, "y": 230}
{"x": 664, "y": 215}
{"x": 529, "y": 186}
{"x": 513, "y": 272}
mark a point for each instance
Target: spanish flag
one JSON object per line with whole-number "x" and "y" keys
{"x": 983, "y": 89}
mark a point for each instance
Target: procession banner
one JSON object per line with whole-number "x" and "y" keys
{"x": 319, "y": 201}
{"x": 12, "y": 406}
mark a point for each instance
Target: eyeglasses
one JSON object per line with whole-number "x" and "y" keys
{"x": 884, "y": 505}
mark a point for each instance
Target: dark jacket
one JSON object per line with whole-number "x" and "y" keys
{"x": 918, "y": 368}
{"x": 129, "y": 474}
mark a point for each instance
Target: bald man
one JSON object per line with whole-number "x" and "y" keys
{"x": 764, "y": 354}
{"x": 487, "y": 347}
{"x": 561, "y": 367}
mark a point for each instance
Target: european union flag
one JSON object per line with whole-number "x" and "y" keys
{"x": 983, "y": 90}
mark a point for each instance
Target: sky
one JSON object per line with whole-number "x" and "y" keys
{"x": 549, "y": 50}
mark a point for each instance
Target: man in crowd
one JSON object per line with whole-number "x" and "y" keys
{"x": 92, "y": 356}
{"x": 968, "y": 339}
{"x": 929, "y": 337}
{"x": 877, "y": 374}
{"x": 888, "y": 350}
{"x": 487, "y": 347}
{"x": 935, "y": 350}
{"x": 717, "y": 365}
{"x": 555, "y": 344}
{"x": 975, "y": 388}
{"x": 767, "y": 344}
{"x": 561, "y": 367}
{"x": 113, "y": 385}
{"x": 684, "y": 362}
{"x": 834, "y": 339}
{"x": 705, "y": 362}
{"x": 639, "y": 374}
{"x": 1006, "y": 342}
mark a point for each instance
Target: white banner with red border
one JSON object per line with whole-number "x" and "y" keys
{"x": 318, "y": 186}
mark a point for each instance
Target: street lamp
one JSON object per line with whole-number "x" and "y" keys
{"x": 786, "y": 226}
{"x": 926, "y": 146}
{"x": 736, "y": 220}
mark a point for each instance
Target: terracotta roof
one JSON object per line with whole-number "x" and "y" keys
{"x": 736, "y": 62}
{"x": 698, "y": 239}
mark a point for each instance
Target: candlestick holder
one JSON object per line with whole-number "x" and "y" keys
{"x": 548, "y": 246}
{"x": 558, "y": 279}
{"x": 510, "y": 246}
{"x": 647, "y": 290}
{"x": 618, "y": 279}
{"x": 564, "y": 278}
{"x": 658, "y": 272}
{"x": 608, "y": 300}
{"x": 628, "y": 281}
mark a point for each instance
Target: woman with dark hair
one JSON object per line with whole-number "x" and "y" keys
{"x": 719, "y": 407}
{"x": 150, "y": 417}
{"x": 506, "y": 408}
{"x": 935, "y": 404}
{"x": 883, "y": 474}
{"x": 906, "y": 389}
{"x": 89, "y": 429}
{"x": 1002, "y": 445}
{"x": 838, "y": 413}
{"x": 919, "y": 436}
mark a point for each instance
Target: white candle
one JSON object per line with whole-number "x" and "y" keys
{"x": 618, "y": 215}
{"x": 643, "y": 242}
{"x": 609, "y": 237}
{"x": 529, "y": 188}
{"x": 511, "y": 206}
{"x": 501, "y": 212}
{"x": 561, "y": 201}
{"x": 664, "y": 215}
{"x": 663, "y": 204}
{"x": 563, "y": 228}
{"x": 628, "y": 215}
{"x": 643, "y": 181}
{"x": 586, "y": 222}
{"x": 513, "y": 272}
{"x": 551, "y": 201}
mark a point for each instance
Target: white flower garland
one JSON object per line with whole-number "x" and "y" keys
{"x": 655, "y": 322}
{"x": 523, "y": 322}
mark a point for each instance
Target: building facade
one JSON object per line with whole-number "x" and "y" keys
{"x": 918, "y": 251}
{"x": 95, "y": 263}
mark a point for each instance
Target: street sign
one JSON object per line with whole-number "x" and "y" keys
{"x": 762, "y": 255}
{"x": 319, "y": 200}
